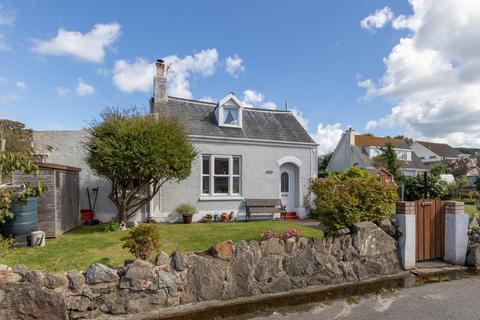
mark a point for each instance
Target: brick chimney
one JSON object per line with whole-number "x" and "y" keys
{"x": 160, "y": 83}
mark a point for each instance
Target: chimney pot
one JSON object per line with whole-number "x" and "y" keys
{"x": 160, "y": 68}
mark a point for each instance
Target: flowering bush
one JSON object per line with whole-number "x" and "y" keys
{"x": 284, "y": 235}
{"x": 267, "y": 235}
{"x": 291, "y": 233}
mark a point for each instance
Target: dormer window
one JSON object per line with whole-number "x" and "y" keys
{"x": 230, "y": 115}
{"x": 229, "y": 112}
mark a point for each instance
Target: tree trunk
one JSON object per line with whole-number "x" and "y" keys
{"x": 122, "y": 212}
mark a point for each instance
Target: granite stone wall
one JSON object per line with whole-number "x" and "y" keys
{"x": 225, "y": 271}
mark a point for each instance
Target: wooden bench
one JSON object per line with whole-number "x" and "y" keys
{"x": 263, "y": 207}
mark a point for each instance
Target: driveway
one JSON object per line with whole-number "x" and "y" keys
{"x": 446, "y": 300}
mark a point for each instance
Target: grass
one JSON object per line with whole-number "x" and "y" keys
{"x": 84, "y": 245}
{"x": 470, "y": 209}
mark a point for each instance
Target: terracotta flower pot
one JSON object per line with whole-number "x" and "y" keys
{"x": 187, "y": 218}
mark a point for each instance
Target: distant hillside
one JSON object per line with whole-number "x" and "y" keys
{"x": 470, "y": 151}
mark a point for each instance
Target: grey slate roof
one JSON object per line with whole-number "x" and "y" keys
{"x": 198, "y": 118}
{"x": 441, "y": 149}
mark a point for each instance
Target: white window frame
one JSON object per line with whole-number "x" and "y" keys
{"x": 224, "y": 113}
{"x": 230, "y": 175}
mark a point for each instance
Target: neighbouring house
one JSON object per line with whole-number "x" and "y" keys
{"x": 432, "y": 152}
{"x": 357, "y": 150}
{"x": 242, "y": 153}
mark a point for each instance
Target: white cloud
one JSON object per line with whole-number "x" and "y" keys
{"x": 89, "y": 46}
{"x": 181, "y": 70}
{"x": 84, "y": 89}
{"x": 21, "y": 85}
{"x": 327, "y": 137}
{"x": 63, "y": 91}
{"x": 233, "y": 65}
{"x": 138, "y": 75}
{"x": 3, "y": 80}
{"x": 135, "y": 76}
{"x": 3, "y": 44}
{"x": 8, "y": 97}
{"x": 7, "y": 17}
{"x": 433, "y": 75}
{"x": 103, "y": 72}
{"x": 255, "y": 99}
{"x": 378, "y": 19}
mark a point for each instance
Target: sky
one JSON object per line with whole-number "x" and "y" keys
{"x": 382, "y": 67}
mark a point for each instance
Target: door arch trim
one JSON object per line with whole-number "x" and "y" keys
{"x": 289, "y": 159}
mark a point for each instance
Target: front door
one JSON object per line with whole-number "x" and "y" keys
{"x": 287, "y": 187}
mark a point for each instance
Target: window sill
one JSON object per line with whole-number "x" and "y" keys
{"x": 220, "y": 198}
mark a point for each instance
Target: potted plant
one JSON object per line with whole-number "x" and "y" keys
{"x": 187, "y": 211}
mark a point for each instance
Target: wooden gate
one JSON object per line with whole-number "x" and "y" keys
{"x": 430, "y": 228}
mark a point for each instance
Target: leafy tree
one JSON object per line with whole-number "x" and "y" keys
{"x": 354, "y": 196}
{"x": 19, "y": 138}
{"x": 459, "y": 168}
{"x": 408, "y": 140}
{"x": 138, "y": 153}
{"x": 440, "y": 168}
{"x": 10, "y": 162}
{"x": 477, "y": 159}
{"x": 457, "y": 189}
{"x": 413, "y": 187}
{"x": 323, "y": 161}
{"x": 388, "y": 160}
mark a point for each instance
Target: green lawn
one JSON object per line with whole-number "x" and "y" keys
{"x": 470, "y": 209}
{"x": 80, "y": 247}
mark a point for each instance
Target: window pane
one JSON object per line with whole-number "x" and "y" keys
{"x": 221, "y": 184}
{"x": 236, "y": 185}
{"x": 236, "y": 165}
{"x": 284, "y": 182}
{"x": 206, "y": 165}
{"x": 230, "y": 115}
{"x": 221, "y": 166}
{"x": 206, "y": 185}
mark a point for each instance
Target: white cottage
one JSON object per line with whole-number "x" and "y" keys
{"x": 242, "y": 153}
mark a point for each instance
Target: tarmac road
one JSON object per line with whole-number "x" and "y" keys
{"x": 459, "y": 299}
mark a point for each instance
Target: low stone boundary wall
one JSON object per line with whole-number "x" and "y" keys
{"x": 226, "y": 271}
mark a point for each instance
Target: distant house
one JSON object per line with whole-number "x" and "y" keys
{"x": 431, "y": 152}
{"x": 356, "y": 150}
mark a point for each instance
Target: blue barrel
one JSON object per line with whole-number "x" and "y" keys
{"x": 24, "y": 221}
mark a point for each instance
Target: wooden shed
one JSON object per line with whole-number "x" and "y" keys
{"x": 386, "y": 177}
{"x": 59, "y": 207}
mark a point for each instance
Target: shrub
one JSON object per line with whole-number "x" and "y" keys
{"x": 350, "y": 197}
{"x": 413, "y": 187}
{"x": 5, "y": 245}
{"x": 142, "y": 240}
{"x": 186, "y": 209}
{"x": 110, "y": 226}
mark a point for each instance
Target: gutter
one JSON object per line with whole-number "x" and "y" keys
{"x": 253, "y": 141}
